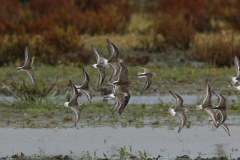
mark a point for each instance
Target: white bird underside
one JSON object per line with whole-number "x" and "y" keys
{"x": 234, "y": 79}
{"x": 94, "y": 65}
{"x": 199, "y": 107}
{"x": 171, "y": 112}
{"x": 142, "y": 76}
{"x": 66, "y": 104}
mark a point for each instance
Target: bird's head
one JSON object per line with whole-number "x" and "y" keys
{"x": 154, "y": 74}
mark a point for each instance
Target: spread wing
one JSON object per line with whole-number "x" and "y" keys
{"x": 116, "y": 88}
{"x": 183, "y": 120}
{"x": 77, "y": 115}
{"x": 145, "y": 70}
{"x": 208, "y": 94}
{"x": 73, "y": 99}
{"x": 125, "y": 89}
{"x": 147, "y": 83}
{"x": 101, "y": 76}
{"x": 126, "y": 99}
{"x": 96, "y": 54}
{"x": 212, "y": 115}
{"x": 116, "y": 107}
{"x": 116, "y": 69}
{"x": 28, "y": 58}
{"x": 179, "y": 100}
{"x": 88, "y": 94}
{"x": 236, "y": 62}
{"x": 225, "y": 127}
{"x": 121, "y": 103}
{"x": 223, "y": 116}
{"x": 123, "y": 72}
{"x": 86, "y": 78}
{"x": 32, "y": 76}
{"x": 221, "y": 99}
{"x": 112, "y": 85}
{"x": 113, "y": 50}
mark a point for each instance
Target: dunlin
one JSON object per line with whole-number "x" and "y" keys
{"x": 148, "y": 75}
{"x": 236, "y": 79}
{"x": 179, "y": 110}
{"x": 73, "y": 103}
{"x": 114, "y": 61}
{"x": 27, "y": 66}
{"x": 124, "y": 84}
{"x": 118, "y": 97}
{"x": 85, "y": 86}
{"x": 221, "y": 107}
{"x": 124, "y": 89}
{"x": 101, "y": 66}
{"x": 123, "y": 76}
{"x": 207, "y": 103}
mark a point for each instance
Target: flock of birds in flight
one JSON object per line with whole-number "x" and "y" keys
{"x": 120, "y": 88}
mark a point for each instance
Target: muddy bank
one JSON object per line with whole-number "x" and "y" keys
{"x": 66, "y": 157}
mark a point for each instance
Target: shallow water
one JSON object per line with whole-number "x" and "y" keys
{"x": 204, "y": 140}
{"x": 153, "y": 99}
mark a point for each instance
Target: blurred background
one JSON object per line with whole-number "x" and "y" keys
{"x": 60, "y": 31}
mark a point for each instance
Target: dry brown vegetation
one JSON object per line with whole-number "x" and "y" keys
{"x": 89, "y": 16}
{"x": 54, "y": 30}
{"x": 216, "y": 49}
{"x": 176, "y": 31}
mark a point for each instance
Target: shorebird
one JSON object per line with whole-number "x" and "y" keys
{"x": 179, "y": 110}
{"x": 221, "y": 113}
{"x": 124, "y": 84}
{"x": 236, "y": 88}
{"x": 114, "y": 61}
{"x": 123, "y": 76}
{"x": 236, "y": 79}
{"x": 148, "y": 75}
{"x": 73, "y": 103}
{"x": 221, "y": 107}
{"x": 124, "y": 89}
{"x": 27, "y": 66}
{"x": 118, "y": 97}
{"x": 101, "y": 66}
{"x": 207, "y": 104}
{"x": 85, "y": 86}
